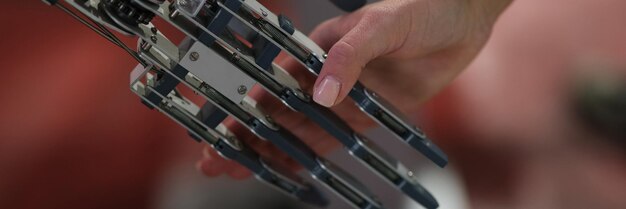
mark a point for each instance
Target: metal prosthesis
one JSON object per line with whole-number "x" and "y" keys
{"x": 230, "y": 46}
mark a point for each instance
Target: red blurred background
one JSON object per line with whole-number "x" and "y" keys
{"x": 72, "y": 134}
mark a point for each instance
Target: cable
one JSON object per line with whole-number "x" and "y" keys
{"x": 121, "y": 44}
{"x": 104, "y": 32}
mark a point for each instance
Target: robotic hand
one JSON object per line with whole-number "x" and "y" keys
{"x": 230, "y": 46}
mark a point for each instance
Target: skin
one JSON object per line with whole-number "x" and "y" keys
{"x": 512, "y": 109}
{"x": 420, "y": 45}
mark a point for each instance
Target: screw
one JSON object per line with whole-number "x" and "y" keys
{"x": 154, "y": 30}
{"x": 325, "y": 56}
{"x": 264, "y": 13}
{"x": 153, "y": 38}
{"x": 194, "y": 56}
{"x": 410, "y": 174}
{"x": 242, "y": 89}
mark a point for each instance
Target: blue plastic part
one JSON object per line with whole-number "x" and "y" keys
{"x": 286, "y": 24}
{"x": 211, "y": 115}
{"x": 251, "y": 160}
{"x": 265, "y": 53}
{"x": 166, "y": 84}
{"x": 417, "y": 141}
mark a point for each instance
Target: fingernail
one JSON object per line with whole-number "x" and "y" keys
{"x": 327, "y": 91}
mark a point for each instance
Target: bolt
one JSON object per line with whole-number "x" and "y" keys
{"x": 154, "y": 30}
{"x": 242, "y": 89}
{"x": 325, "y": 56}
{"x": 153, "y": 38}
{"x": 194, "y": 56}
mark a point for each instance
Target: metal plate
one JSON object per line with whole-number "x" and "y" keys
{"x": 219, "y": 73}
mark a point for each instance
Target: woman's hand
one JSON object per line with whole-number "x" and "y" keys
{"x": 405, "y": 50}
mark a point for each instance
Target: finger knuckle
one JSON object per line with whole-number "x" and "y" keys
{"x": 378, "y": 14}
{"x": 343, "y": 52}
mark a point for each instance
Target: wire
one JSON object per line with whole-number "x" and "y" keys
{"x": 104, "y": 32}
{"x": 121, "y": 44}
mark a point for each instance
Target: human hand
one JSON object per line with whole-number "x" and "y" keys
{"x": 406, "y": 50}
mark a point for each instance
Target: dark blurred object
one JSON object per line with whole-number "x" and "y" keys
{"x": 601, "y": 104}
{"x": 128, "y": 11}
{"x": 349, "y": 5}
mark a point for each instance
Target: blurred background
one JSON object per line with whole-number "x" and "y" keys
{"x": 537, "y": 121}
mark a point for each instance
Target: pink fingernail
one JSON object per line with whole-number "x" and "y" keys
{"x": 327, "y": 91}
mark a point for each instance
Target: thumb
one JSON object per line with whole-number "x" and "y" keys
{"x": 354, "y": 41}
